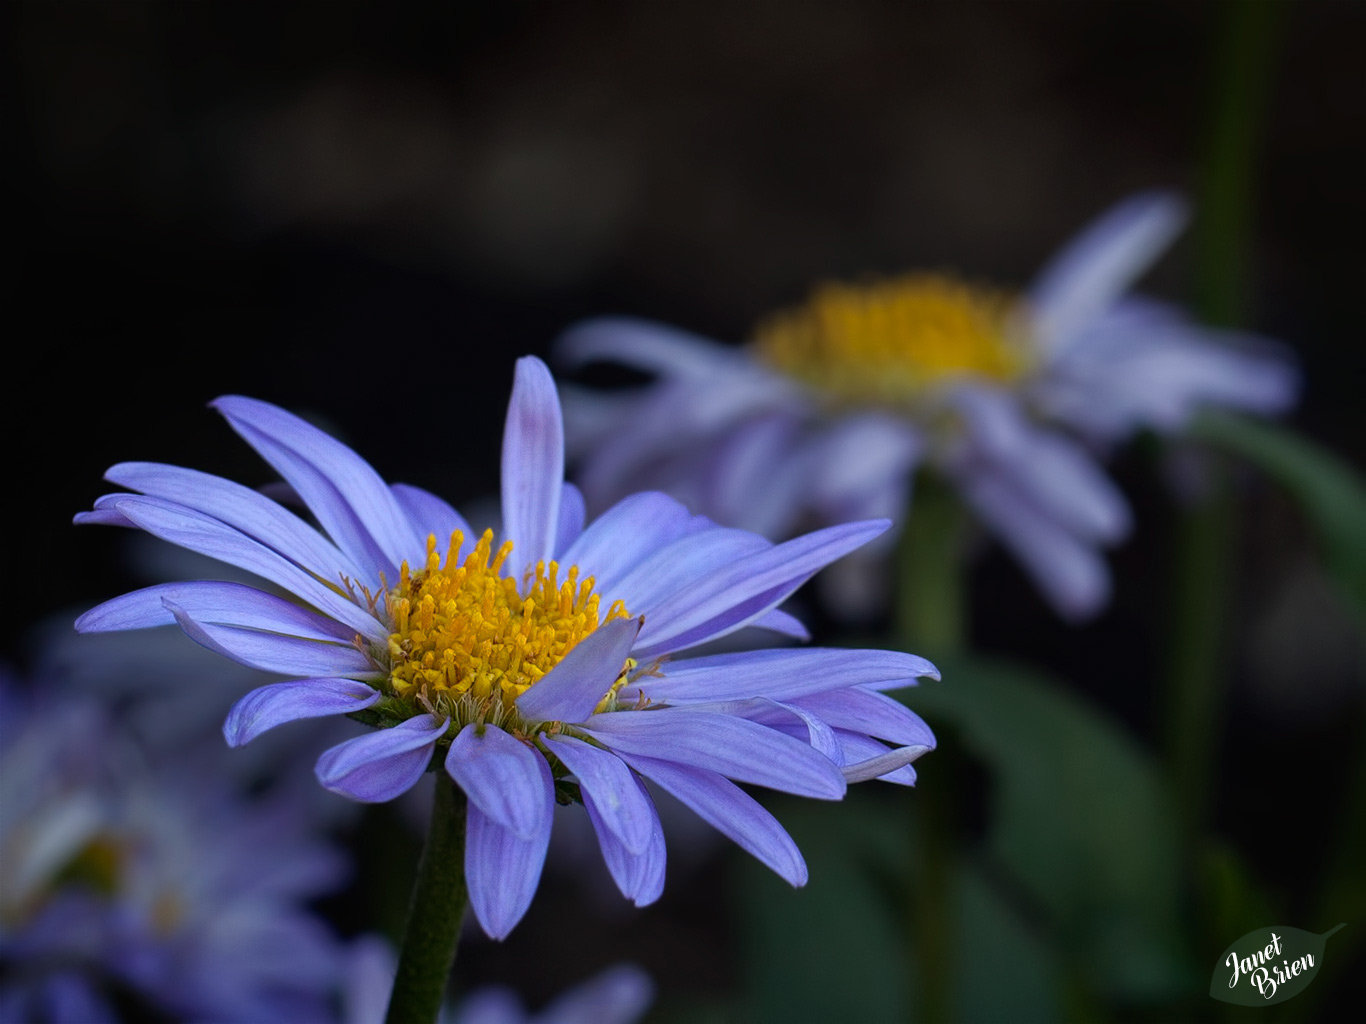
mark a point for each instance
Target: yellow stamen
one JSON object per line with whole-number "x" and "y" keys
{"x": 467, "y": 643}
{"x": 888, "y": 342}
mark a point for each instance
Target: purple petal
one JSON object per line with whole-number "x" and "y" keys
{"x": 619, "y": 995}
{"x": 781, "y": 673}
{"x": 683, "y": 563}
{"x": 268, "y": 706}
{"x": 382, "y": 764}
{"x": 887, "y": 764}
{"x": 734, "y": 747}
{"x": 430, "y": 515}
{"x": 731, "y": 811}
{"x": 241, "y": 508}
{"x": 627, "y": 533}
{"x": 737, "y": 594}
{"x": 572, "y": 689}
{"x": 503, "y": 777}
{"x": 350, "y": 500}
{"x": 1097, "y": 266}
{"x": 533, "y": 466}
{"x": 610, "y": 787}
{"x": 573, "y": 513}
{"x": 779, "y": 621}
{"x": 503, "y": 869}
{"x": 273, "y": 652}
{"x": 645, "y": 345}
{"x": 234, "y": 604}
{"x": 788, "y": 719}
{"x": 208, "y": 536}
{"x": 1069, "y": 572}
{"x": 872, "y": 713}
{"x": 639, "y": 875}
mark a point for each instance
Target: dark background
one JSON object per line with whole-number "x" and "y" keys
{"x": 366, "y": 212}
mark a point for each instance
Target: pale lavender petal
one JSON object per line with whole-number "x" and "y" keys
{"x": 572, "y": 515}
{"x": 781, "y": 622}
{"x": 781, "y": 673}
{"x": 619, "y": 995}
{"x": 274, "y": 652}
{"x": 639, "y": 876}
{"x": 241, "y": 508}
{"x": 1069, "y": 572}
{"x": 234, "y": 604}
{"x": 503, "y": 776}
{"x": 645, "y": 345}
{"x": 208, "y": 536}
{"x": 533, "y": 466}
{"x": 858, "y": 455}
{"x": 730, "y": 810}
{"x": 626, "y": 534}
{"x": 734, "y": 747}
{"x": 107, "y": 515}
{"x": 886, "y": 764}
{"x": 789, "y": 719}
{"x": 612, "y": 788}
{"x": 503, "y": 869}
{"x": 683, "y": 563}
{"x": 868, "y": 712}
{"x": 1097, "y": 266}
{"x": 268, "y": 706}
{"x": 572, "y": 689}
{"x": 351, "y": 501}
{"x": 736, "y": 595}
{"x": 1054, "y": 472}
{"x": 430, "y": 515}
{"x": 382, "y": 764}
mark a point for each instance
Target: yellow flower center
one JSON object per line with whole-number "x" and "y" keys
{"x": 467, "y": 642}
{"x": 889, "y": 342}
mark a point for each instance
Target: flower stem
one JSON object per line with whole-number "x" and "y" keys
{"x": 930, "y": 618}
{"x": 931, "y": 598}
{"x": 437, "y": 908}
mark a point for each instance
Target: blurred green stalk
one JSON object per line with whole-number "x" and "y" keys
{"x": 435, "y": 913}
{"x": 930, "y": 618}
{"x": 1205, "y": 536}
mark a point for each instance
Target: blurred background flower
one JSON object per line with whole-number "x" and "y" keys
{"x": 386, "y": 198}
{"x": 134, "y": 888}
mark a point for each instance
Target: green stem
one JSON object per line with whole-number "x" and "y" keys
{"x": 434, "y": 915}
{"x": 931, "y": 597}
{"x": 931, "y": 619}
{"x": 1204, "y": 540}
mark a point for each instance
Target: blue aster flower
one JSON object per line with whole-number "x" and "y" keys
{"x": 128, "y": 890}
{"x": 538, "y": 664}
{"x": 1012, "y": 399}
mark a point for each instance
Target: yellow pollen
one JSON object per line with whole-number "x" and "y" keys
{"x": 467, "y": 643}
{"x": 888, "y": 342}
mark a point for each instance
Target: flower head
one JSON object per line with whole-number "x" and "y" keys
{"x": 531, "y": 665}
{"x": 125, "y": 888}
{"x": 834, "y": 404}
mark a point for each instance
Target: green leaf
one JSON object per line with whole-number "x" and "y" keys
{"x": 1268, "y": 965}
{"x": 834, "y": 949}
{"x": 1331, "y": 493}
{"x": 1078, "y": 822}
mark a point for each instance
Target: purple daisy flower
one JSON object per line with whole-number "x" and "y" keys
{"x": 127, "y": 889}
{"x": 538, "y": 665}
{"x": 830, "y": 410}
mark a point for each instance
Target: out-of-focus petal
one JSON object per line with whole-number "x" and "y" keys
{"x": 1097, "y": 266}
